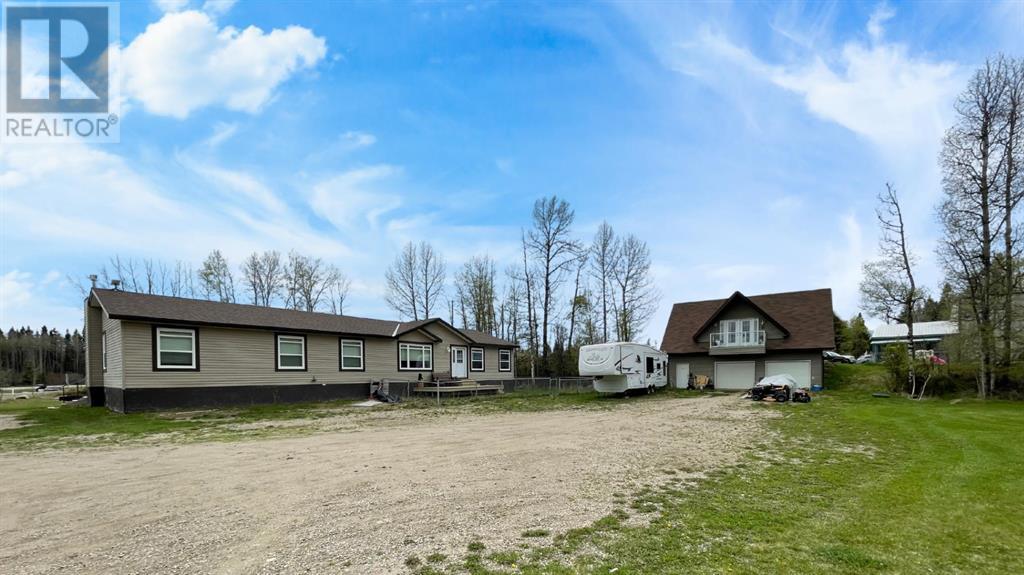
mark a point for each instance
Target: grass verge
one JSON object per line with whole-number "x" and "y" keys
{"x": 856, "y": 484}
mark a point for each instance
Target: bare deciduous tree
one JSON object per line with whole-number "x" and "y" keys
{"x": 889, "y": 289}
{"x": 603, "y": 254}
{"x": 430, "y": 277}
{"x": 980, "y": 186}
{"x": 339, "y": 293}
{"x": 636, "y": 298}
{"x": 402, "y": 285}
{"x": 264, "y": 277}
{"x": 215, "y": 278}
{"x": 477, "y": 293}
{"x": 307, "y": 280}
{"x": 551, "y": 243}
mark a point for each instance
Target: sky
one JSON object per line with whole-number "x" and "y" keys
{"x": 744, "y": 142}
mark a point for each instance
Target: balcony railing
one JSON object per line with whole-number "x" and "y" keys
{"x": 727, "y": 341}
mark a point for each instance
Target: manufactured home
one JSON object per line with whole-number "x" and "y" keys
{"x": 153, "y": 352}
{"x": 620, "y": 367}
{"x": 738, "y": 340}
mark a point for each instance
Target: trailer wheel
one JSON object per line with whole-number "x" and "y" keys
{"x": 781, "y": 397}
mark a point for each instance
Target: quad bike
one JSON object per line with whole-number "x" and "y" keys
{"x": 778, "y": 393}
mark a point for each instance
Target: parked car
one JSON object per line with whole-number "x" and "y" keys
{"x": 866, "y": 357}
{"x": 837, "y": 358}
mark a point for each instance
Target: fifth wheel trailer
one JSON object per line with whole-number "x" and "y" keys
{"x": 620, "y": 367}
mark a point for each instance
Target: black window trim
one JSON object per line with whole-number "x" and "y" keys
{"x": 483, "y": 359}
{"x": 398, "y": 356}
{"x": 510, "y": 356}
{"x": 195, "y": 338}
{"x": 305, "y": 352}
{"x": 362, "y": 354}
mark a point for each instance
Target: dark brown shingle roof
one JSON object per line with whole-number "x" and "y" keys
{"x": 806, "y": 315}
{"x": 158, "y": 308}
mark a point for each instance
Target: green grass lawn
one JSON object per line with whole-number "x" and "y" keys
{"x": 855, "y": 484}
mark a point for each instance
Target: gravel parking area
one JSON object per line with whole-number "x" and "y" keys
{"x": 350, "y": 501}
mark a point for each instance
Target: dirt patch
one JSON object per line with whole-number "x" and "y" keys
{"x": 9, "y": 422}
{"x": 352, "y": 501}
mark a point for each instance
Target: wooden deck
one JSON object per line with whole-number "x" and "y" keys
{"x": 466, "y": 386}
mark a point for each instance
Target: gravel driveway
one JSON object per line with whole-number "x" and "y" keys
{"x": 354, "y": 501}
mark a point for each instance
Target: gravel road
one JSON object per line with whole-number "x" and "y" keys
{"x": 350, "y": 501}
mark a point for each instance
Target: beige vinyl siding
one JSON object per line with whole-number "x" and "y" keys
{"x": 93, "y": 345}
{"x": 490, "y": 371}
{"x": 229, "y": 356}
{"x": 246, "y": 357}
{"x": 114, "y": 377}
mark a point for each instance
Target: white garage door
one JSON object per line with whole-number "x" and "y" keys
{"x": 800, "y": 370}
{"x": 734, "y": 374}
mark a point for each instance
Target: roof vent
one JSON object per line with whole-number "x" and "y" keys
{"x": 116, "y": 284}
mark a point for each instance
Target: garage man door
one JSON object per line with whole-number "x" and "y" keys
{"x": 734, "y": 374}
{"x": 800, "y": 370}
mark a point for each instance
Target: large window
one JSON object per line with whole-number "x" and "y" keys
{"x": 476, "y": 359}
{"x": 291, "y": 352}
{"x": 504, "y": 360}
{"x": 176, "y": 348}
{"x": 351, "y": 355}
{"x": 103, "y": 349}
{"x": 415, "y": 356}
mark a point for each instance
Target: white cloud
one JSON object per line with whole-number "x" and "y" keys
{"x": 171, "y": 5}
{"x": 24, "y": 302}
{"x": 218, "y": 7}
{"x": 352, "y": 200}
{"x": 881, "y": 14}
{"x": 222, "y": 131}
{"x": 184, "y": 62}
{"x": 843, "y": 265}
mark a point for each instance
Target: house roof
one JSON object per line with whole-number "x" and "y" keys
{"x": 921, "y": 329}
{"x": 159, "y": 308}
{"x": 805, "y": 315}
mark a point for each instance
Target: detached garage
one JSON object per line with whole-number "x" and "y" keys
{"x": 739, "y": 340}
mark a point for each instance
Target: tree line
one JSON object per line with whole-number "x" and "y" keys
{"x": 268, "y": 279}
{"x": 564, "y": 292}
{"x": 41, "y": 357}
{"x": 980, "y": 247}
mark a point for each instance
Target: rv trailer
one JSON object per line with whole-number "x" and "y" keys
{"x": 620, "y": 367}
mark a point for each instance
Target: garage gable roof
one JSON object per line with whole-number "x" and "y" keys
{"x": 804, "y": 316}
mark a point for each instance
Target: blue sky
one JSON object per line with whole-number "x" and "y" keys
{"x": 744, "y": 142}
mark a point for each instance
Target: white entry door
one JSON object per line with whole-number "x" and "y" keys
{"x": 458, "y": 362}
{"x": 734, "y": 374}
{"x": 682, "y": 375}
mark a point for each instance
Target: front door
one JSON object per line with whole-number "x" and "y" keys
{"x": 458, "y": 361}
{"x": 682, "y": 375}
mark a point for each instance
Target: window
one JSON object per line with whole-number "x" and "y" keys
{"x": 103, "y": 350}
{"x": 351, "y": 355}
{"x": 650, "y": 365}
{"x": 504, "y": 360}
{"x": 415, "y": 356}
{"x": 476, "y": 359}
{"x": 175, "y": 348}
{"x": 291, "y": 352}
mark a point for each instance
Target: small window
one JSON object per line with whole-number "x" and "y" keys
{"x": 504, "y": 360}
{"x": 476, "y": 359}
{"x": 415, "y": 357}
{"x": 650, "y": 365}
{"x": 175, "y": 348}
{"x": 103, "y": 350}
{"x": 291, "y": 352}
{"x": 351, "y": 355}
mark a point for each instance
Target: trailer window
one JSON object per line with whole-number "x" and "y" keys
{"x": 650, "y": 365}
